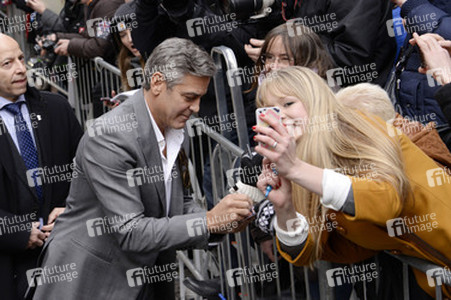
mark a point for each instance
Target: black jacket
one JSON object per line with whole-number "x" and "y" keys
{"x": 57, "y": 133}
{"x": 70, "y": 19}
{"x": 443, "y": 97}
{"x": 86, "y": 46}
{"x": 360, "y": 36}
{"x": 158, "y": 22}
{"x": 416, "y": 92}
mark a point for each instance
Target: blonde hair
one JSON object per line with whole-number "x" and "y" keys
{"x": 368, "y": 97}
{"x": 357, "y": 139}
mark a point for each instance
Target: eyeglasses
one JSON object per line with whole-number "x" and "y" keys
{"x": 283, "y": 60}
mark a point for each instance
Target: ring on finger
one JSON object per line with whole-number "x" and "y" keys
{"x": 274, "y": 145}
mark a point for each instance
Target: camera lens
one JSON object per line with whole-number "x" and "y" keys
{"x": 244, "y": 8}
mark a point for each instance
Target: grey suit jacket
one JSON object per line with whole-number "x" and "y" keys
{"x": 111, "y": 159}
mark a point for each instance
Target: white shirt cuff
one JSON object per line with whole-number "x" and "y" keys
{"x": 336, "y": 189}
{"x": 297, "y": 231}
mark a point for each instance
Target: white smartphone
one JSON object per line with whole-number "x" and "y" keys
{"x": 270, "y": 111}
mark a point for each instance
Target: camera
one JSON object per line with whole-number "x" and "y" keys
{"x": 248, "y": 9}
{"x": 49, "y": 46}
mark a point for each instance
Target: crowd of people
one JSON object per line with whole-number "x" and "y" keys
{"x": 356, "y": 131}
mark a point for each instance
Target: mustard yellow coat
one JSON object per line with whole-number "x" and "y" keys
{"x": 360, "y": 237}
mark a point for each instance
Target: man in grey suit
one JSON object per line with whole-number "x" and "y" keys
{"x": 126, "y": 213}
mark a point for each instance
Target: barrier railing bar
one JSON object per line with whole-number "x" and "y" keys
{"x": 182, "y": 275}
{"x": 276, "y": 257}
{"x": 235, "y": 93}
{"x": 228, "y": 145}
{"x": 292, "y": 283}
{"x": 3, "y": 14}
{"x": 417, "y": 263}
{"x": 325, "y": 291}
{"x": 100, "y": 63}
{"x": 48, "y": 81}
{"x": 306, "y": 282}
{"x": 182, "y": 257}
{"x": 405, "y": 281}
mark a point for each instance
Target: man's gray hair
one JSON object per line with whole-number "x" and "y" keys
{"x": 175, "y": 58}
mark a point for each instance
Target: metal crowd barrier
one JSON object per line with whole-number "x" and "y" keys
{"x": 236, "y": 250}
{"x": 224, "y": 156}
{"x": 96, "y": 79}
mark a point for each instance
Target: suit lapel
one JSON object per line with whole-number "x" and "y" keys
{"x": 148, "y": 142}
{"x": 6, "y": 157}
{"x": 12, "y": 161}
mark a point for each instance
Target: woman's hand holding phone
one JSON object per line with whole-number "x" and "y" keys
{"x": 279, "y": 147}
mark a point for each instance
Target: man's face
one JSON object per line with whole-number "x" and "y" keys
{"x": 171, "y": 108}
{"x": 13, "y": 76}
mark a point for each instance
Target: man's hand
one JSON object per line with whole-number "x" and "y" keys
{"x": 51, "y": 220}
{"x": 254, "y": 52}
{"x": 51, "y": 37}
{"x": 229, "y": 214}
{"x": 37, "y": 237}
{"x": 36, "y": 5}
{"x": 61, "y": 47}
{"x": 436, "y": 57}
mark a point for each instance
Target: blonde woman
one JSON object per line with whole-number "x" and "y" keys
{"x": 378, "y": 177}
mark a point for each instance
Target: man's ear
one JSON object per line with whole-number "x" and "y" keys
{"x": 157, "y": 83}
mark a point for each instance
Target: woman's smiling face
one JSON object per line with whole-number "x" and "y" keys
{"x": 292, "y": 111}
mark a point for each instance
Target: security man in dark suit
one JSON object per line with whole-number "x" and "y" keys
{"x": 39, "y": 135}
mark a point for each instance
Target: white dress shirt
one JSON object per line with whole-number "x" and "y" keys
{"x": 173, "y": 140}
{"x": 8, "y": 119}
